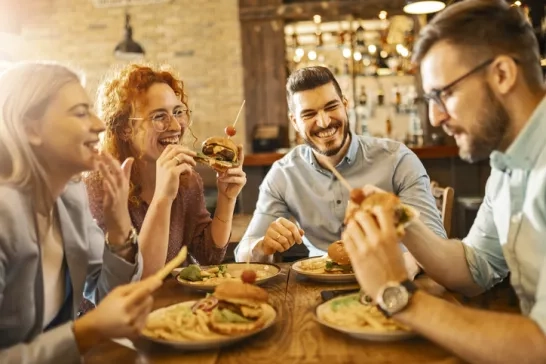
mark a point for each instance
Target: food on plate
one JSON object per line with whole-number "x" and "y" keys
{"x": 338, "y": 259}
{"x": 349, "y": 313}
{"x": 214, "y": 275}
{"x": 219, "y": 153}
{"x": 235, "y": 308}
{"x": 402, "y": 213}
{"x": 239, "y": 308}
{"x": 194, "y": 273}
{"x": 335, "y": 262}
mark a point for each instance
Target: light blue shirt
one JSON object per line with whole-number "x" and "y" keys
{"x": 509, "y": 233}
{"x": 298, "y": 186}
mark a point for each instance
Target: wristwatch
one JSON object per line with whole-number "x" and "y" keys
{"x": 132, "y": 241}
{"x": 395, "y": 297}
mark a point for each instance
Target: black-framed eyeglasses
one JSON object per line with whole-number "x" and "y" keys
{"x": 162, "y": 119}
{"x": 437, "y": 95}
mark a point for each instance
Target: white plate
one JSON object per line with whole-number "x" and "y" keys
{"x": 235, "y": 269}
{"x": 362, "y": 333}
{"x": 216, "y": 341}
{"x": 322, "y": 277}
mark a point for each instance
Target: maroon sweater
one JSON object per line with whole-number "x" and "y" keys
{"x": 190, "y": 221}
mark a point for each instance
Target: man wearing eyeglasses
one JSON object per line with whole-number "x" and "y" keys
{"x": 481, "y": 73}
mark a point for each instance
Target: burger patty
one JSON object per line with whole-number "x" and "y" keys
{"x": 222, "y": 154}
{"x": 244, "y": 311}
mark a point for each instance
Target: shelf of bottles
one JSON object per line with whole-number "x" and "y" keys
{"x": 371, "y": 61}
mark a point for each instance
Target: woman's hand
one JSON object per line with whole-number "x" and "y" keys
{"x": 122, "y": 313}
{"x": 175, "y": 161}
{"x": 115, "y": 182}
{"x": 231, "y": 182}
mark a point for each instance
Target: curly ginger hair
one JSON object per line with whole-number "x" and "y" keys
{"x": 117, "y": 98}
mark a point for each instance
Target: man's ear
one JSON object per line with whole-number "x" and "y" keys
{"x": 293, "y": 121}
{"x": 33, "y": 131}
{"x": 344, "y": 101}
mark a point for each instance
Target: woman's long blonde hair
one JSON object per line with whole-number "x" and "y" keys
{"x": 26, "y": 89}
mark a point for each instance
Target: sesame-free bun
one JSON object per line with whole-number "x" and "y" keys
{"x": 234, "y": 291}
{"x": 225, "y": 142}
{"x": 338, "y": 254}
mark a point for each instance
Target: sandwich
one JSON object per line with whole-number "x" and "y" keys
{"x": 403, "y": 214}
{"x": 240, "y": 308}
{"x": 219, "y": 153}
{"x": 338, "y": 259}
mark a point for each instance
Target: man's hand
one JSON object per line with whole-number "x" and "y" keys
{"x": 280, "y": 236}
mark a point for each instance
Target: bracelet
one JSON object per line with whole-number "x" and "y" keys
{"x": 131, "y": 241}
{"x": 224, "y": 221}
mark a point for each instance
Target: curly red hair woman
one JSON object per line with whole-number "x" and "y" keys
{"x": 146, "y": 114}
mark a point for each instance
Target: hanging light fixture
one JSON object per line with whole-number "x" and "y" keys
{"x": 128, "y": 48}
{"x": 423, "y": 6}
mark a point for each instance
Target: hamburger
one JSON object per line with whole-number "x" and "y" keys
{"x": 240, "y": 308}
{"x": 219, "y": 153}
{"x": 402, "y": 214}
{"x": 338, "y": 259}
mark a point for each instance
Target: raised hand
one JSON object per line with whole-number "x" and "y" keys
{"x": 231, "y": 182}
{"x": 115, "y": 180}
{"x": 174, "y": 162}
{"x": 372, "y": 245}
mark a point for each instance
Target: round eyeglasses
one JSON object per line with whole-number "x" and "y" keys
{"x": 162, "y": 119}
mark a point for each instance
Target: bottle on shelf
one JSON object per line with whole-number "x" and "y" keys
{"x": 380, "y": 95}
{"x": 415, "y": 130}
{"x": 397, "y": 97}
{"x": 363, "y": 97}
{"x": 388, "y": 127}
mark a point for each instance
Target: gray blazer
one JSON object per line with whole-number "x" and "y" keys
{"x": 92, "y": 268}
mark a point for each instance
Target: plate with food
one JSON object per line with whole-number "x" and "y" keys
{"x": 363, "y": 321}
{"x": 333, "y": 267}
{"x": 206, "y": 278}
{"x": 235, "y": 311}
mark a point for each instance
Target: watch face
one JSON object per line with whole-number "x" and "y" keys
{"x": 395, "y": 298}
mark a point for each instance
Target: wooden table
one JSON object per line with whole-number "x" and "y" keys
{"x": 295, "y": 338}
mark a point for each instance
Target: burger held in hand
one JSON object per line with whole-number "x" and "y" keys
{"x": 219, "y": 153}
{"x": 338, "y": 260}
{"x": 241, "y": 308}
{"x": 403, "y": 214}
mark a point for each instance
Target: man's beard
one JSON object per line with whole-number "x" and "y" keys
{"x": 329, "y": 151}
{"x": 491, "y": 128}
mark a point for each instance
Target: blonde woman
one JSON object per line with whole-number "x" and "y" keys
{"x": 51, "y": 251}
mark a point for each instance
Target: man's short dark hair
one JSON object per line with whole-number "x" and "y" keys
{"x": 485, "y": 29}
{"x": 309, "y": 78}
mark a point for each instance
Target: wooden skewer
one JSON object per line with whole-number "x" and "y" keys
{"x": 337, "y": 174}
{"x": 356, "y": 195}
{"x": 239, "y": 113}
{"x": 174, "y": 263}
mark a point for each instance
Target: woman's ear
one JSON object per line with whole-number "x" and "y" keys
{"x": 33, "y": 131}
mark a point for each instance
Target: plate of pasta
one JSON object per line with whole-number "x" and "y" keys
{"x": 207, "y": 278}
{"x": 362, "y": 321}
{"x": 234, "y": 312}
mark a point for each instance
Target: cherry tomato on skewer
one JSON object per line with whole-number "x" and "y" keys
{"x": 248, "y": 276}
{"x": 230, "y": 131}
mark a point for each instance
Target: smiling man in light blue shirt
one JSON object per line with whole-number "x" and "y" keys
{"x": 300, "y": 186}
{"x": 481, "y": 72}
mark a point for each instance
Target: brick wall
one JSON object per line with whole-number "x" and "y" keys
{"x": 199, "y": 38}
